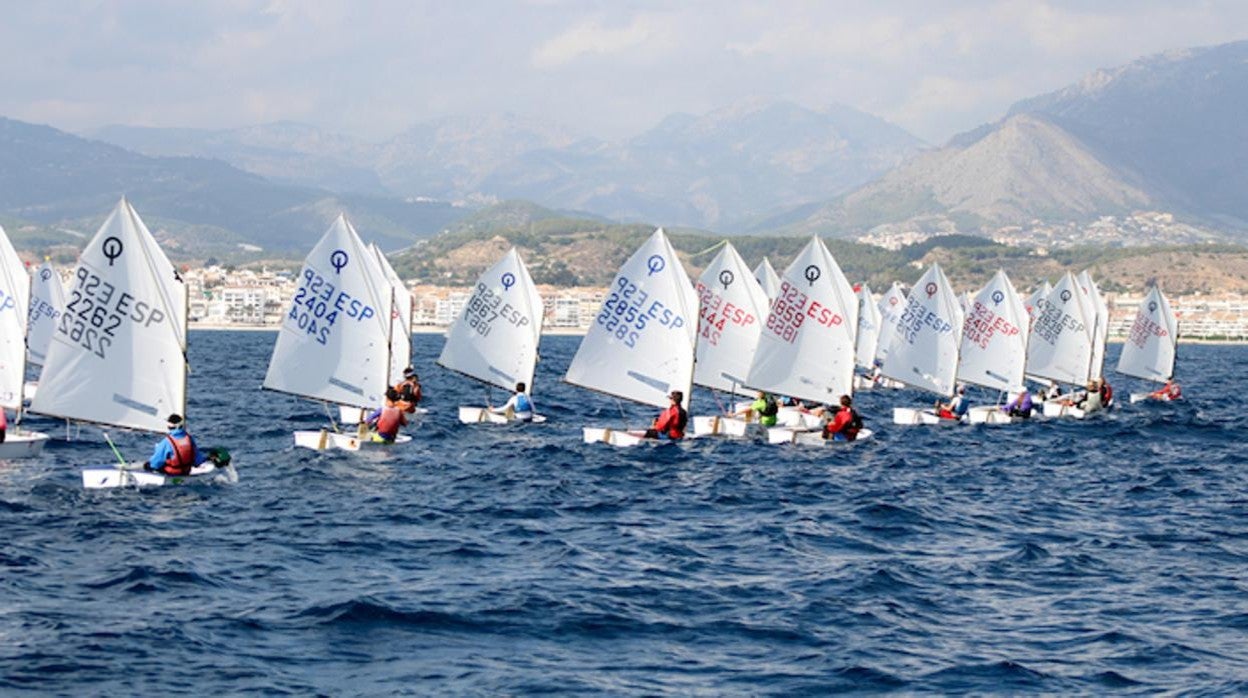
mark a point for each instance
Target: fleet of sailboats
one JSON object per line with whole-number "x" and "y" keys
{"x": 121, "y": 330}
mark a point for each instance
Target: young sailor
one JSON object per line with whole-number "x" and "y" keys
{"x": 1020, "y": 406}
{"x": 409, "y": 391}
{"x": 1090, "y": 400}
{"x": 671, "y": 422}
{"x": 1169, "y": 391}
{"x": 846, "y": 424}
{"x": 955, "y": 408}
{"x": 175, "y": 454}
{"x": 764, "y": 407}
{"x": 519, "y": 406}
{"x": 387, "y": 419}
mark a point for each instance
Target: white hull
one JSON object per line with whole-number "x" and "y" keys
{"x": 914, "y": 416}
{"x": 110, "y": 478}
{"x": 26, "y": 444}
{"x": 355, "y": 415}
{"x": 615, "y": 437}
{"x": 865, "y": 383}
{"x": 325, "y": 439}
{"x": 811, "y": 437}
{"x": 1148, "y": 397}
{"x": 1058, "y": 408}
{"x": 990, "y": 415}
{"x": 716, "y": 425}
{"x": 480, "y": 415}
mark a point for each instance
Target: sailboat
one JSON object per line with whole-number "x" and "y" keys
{"x": 641, "y": 345}
{"x": 14, "y": 300}
{"x": 994, "y": 346}
{"x": 400, "y": 335}
{"x": 1100, "y": 332}
{"x": 923, "y": 353}
{"x": 47, "y": 302}
{"x": 334, "y": 342}
{"x": 868, "y": 336}
{"x": 118, "y": 357}
{"x": 1037, "y": 299}
{"x": 495, "y": 339}
{"x": 891, "y": 305}
{"x": 1151, "y": 345}
{"x": 1059, "y": 348}
{"x": 767, "y": 279}
{"x": 806, "y": 349}
{"x": 733, "y": 307}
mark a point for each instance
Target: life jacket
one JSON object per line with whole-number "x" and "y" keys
{"x": 847, "y": 422}
{"x": 1174, "y": 392}
{"x": 388, "y": 422}
{"x": 673, "y": 421}
{"x": 183, "y": 457}
{"x": 1107, "y": 394}
{"x": 770, "y": 407}
{"x": 523, "y": 403}
{"x": 409, "y": 396}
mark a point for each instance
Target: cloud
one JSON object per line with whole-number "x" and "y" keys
{"x": 644, "y": 33}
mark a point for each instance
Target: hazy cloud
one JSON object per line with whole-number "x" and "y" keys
{"x": 375, "y": 67}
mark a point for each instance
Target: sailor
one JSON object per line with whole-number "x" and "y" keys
{"x": 175, "y": 454}
{"x": 764, "y": 407}
{"x": 1090, "y": 400}
{"x": 955, "y": 408}
{"x": 519, "y": 406}
{"x": 846, "y": 424}
{"x": 387, "y": 419}
{"x": 670, "y": 424}
{"x": 409, "y": 391}
{"x": 1169, "y": 391}
{"x": 1020, "y": 406}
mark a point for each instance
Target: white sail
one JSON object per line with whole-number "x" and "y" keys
{"x": 924, "y": 348}
{"x": 1100, "y": 331}
{"x": 1149, "y": 349}
{"x": 807, "y": 345}
{"x": 47, "y": 302}
{"x": 495, "y": 338}
{"x": 868, "y": 327}
{"x": 733, "y": 308}
{"x": 334, "y": 342}
{"x": 767, "y": 279}
{"x": 891, "y": 305}
{"x": 1037, "y": 299}
{"x": 14, "y": 301}
{"x": 119, "y": 353}
{"x": 1060, "y": 345}
{"x": 641, "y": 344}
{"x": 400, "y": 317}
{"x": 994, "y": 338}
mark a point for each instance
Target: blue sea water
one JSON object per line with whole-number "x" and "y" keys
{"x": 1109, "y": 555}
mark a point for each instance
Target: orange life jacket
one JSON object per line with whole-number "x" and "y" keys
{"x": 388, "y": 422}
{"x": 183, "y": 458}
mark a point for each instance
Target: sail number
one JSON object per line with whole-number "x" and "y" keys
{"x": 485, "y": 307}
{"x": 1144, "y": 328}
{"x": 983, "y": 324}
{"x": 317, "y": 304}
{"x": 95, "y": 311}
{"x": 717, "y": 313}
{"x": 792, "y": 308}
{"x": 628, "y": 311}
{"x": 1052, "y": 322}
{"x": 915, "y": 317}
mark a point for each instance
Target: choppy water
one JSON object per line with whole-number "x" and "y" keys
{"x": 1076, "y": 557}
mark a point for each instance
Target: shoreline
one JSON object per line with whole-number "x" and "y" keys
{"x": 577, "y": 332}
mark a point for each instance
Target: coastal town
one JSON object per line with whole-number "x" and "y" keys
{"x": 250, "y": 299}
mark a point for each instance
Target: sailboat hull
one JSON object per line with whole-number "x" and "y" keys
{"x": 990, "y": 415}
{"x": 616, "y": 437}
{"x": 811, "y": 437}
{"x": 324, "y": 439}
{"x": 27, "y": 444}
{"x": 716, "y": 425}
{"x": 914, "y": 416}
{"x": 112, "y": 478}
{"x": 1148, "y": 397}
{"x": 1058, "y": 408}
{"x": 481, "y": 415}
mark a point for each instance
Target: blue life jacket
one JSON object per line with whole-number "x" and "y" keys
{"x": 523, "y": 403}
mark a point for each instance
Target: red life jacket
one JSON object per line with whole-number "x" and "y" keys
{"x": 183, "y": 458}
{"x": 673, "y": 421}
{"x": 1107, "y": 394}
{"x": 388, "y": 422}
{"x": 409, "y": 396}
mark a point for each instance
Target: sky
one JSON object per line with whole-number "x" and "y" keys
{"x": 610, "y": 69}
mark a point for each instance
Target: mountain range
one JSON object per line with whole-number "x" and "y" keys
{"x": 1161, "y": 134}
